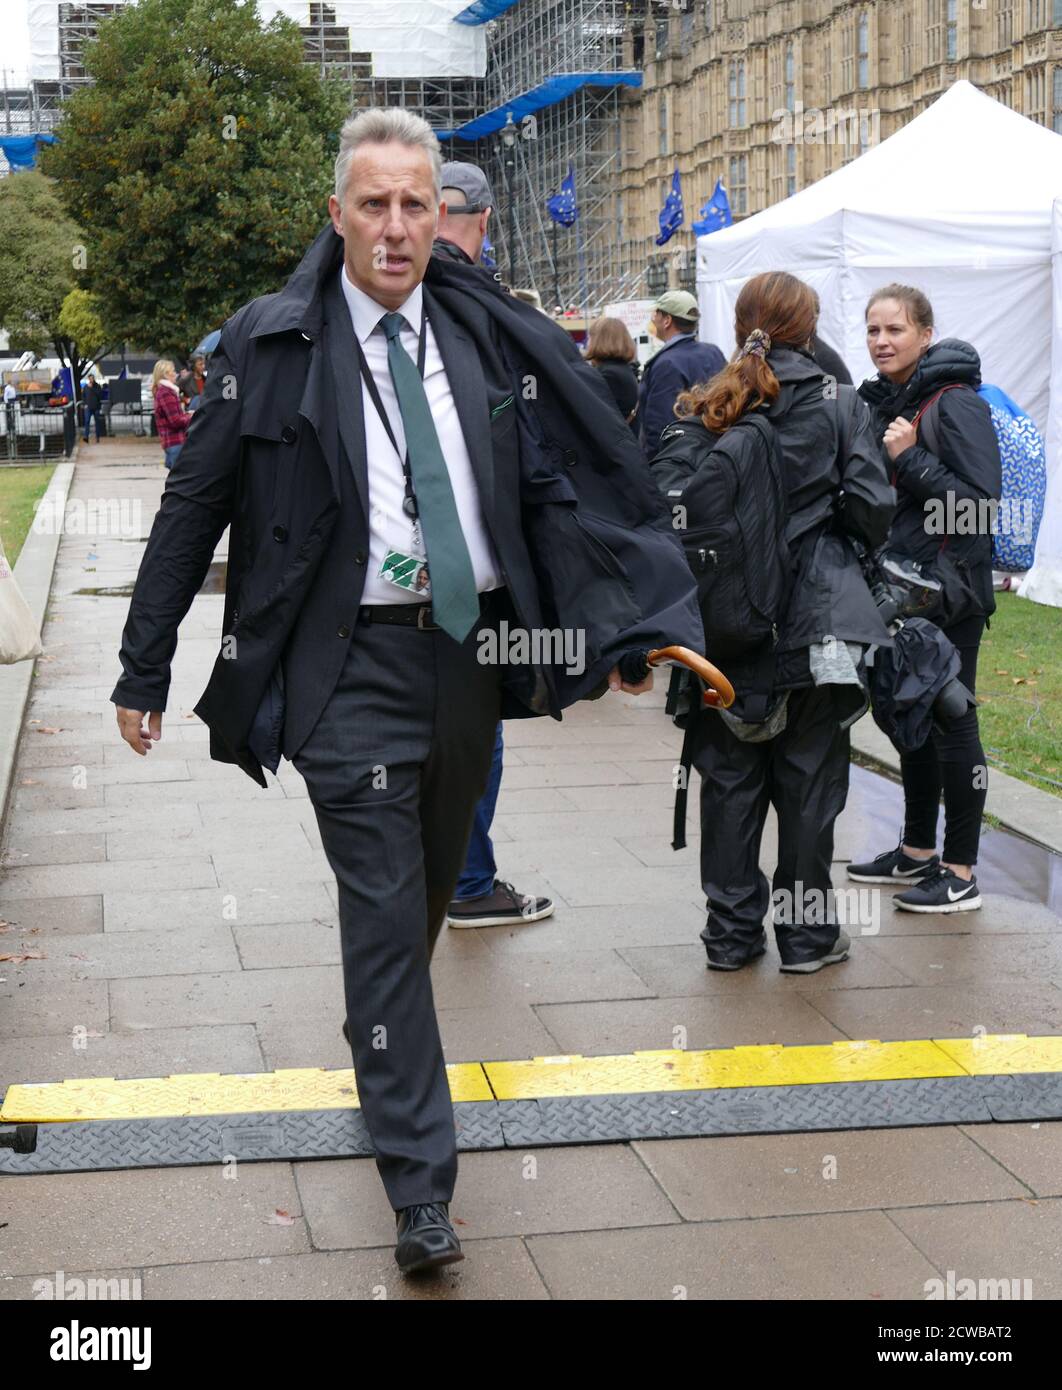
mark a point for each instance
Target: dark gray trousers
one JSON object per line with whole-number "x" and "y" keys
{"x": 803, "y": 773}
{"x": 394, "y": 768}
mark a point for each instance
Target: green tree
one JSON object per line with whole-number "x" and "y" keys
{"x": 199, "y": 164}
{"x": 41, "y": 250}
{"x": 81, "y": 332}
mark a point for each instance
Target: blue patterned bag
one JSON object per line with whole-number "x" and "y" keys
{"x": 1024, "y": 460}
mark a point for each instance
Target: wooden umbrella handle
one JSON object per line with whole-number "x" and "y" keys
{"x": 719, "y": 692}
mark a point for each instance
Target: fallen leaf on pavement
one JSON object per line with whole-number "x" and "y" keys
{"x": 27, "y": 955}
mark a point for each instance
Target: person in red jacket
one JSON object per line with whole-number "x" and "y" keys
{"x": 170, "y": 419}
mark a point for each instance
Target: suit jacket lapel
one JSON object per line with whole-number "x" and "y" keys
{"x": 465, "y": 374}
{"x": 341, "y": 351}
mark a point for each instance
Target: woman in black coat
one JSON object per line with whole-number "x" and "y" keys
{"x": 784, "y": 742}
{"x": 610, "y": 348}
{"x": 926, "y": 395}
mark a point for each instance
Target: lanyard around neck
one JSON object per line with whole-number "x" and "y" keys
{"x": 374, "y": 394}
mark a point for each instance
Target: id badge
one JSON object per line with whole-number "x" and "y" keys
{"x": 408, "y": 572}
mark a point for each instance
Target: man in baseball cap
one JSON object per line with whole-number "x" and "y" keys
{"x": 482, "y": 898}
{"x": 681, "y": 363}
{"x": 468, "y": 201}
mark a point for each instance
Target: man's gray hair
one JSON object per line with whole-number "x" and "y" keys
{"x": 376, "y": 126}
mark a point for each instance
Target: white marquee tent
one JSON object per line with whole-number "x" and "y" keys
{"x": 965, "y": 201}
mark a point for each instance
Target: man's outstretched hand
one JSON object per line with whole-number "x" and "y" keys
{"x": 616, "y": 682}
{"x": 131, "y": 727}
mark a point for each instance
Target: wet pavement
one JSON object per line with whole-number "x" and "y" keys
{"x": 117, "y": 875}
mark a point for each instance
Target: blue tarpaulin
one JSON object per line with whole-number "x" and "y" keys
{"x": 482, "y": 10}
{"x": 20, "y": 151}
{"x": 547, "y": 94}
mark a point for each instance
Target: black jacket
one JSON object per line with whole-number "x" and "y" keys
{"x": 450, "y": 251}
{"x": 968, "y": 466}
{"x": 681, "y": 363}
{"x": 836, "y": 491}
{"x": 830, "y": 360}
{"x": 621, "y": 379}
{"x": 277, "y": 450}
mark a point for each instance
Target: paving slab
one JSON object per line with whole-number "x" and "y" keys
{"x": 494, "y": 1270}
{"x": 795, "y": 1174}
{"x": 1019, "y": 1242}
{"x": 29, "y": 1006}
{"x": 943, "y": 1011}
{"x": 236, "y": 996}
{"x": 683, "y": 970}
{"x": 498, "y": 1194}
{"x": 91, "y": 1052}
{"x": 692, "y": 1021}
{"x": 857, "y": 1255}
{"x": 1032, "y": 1152}
{"x": 53, "y": 916}
{"x": 141, "y": 1216}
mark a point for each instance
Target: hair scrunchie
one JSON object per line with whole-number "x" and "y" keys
{"x": 757, "y": 344}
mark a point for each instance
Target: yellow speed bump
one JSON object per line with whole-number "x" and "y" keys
{"x": 1002, "y": 1054}
{"x": 771, "y": 1065}
{"x": 208, "y": 1093}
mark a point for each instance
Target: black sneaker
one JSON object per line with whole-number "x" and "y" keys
{"x": 500, "y": 908}
{"x": 894, "y": 867}
{"x": 734, "y": 960}
{"x": 945, "y": 891}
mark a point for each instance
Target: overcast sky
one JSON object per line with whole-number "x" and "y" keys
{"x": 14, "y": 41}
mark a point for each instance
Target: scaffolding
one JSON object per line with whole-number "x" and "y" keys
{"x": 529, "y": 45}
{"x": 77, "y": 27}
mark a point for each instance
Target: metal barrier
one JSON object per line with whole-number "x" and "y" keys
{"x": 29, "y": 435}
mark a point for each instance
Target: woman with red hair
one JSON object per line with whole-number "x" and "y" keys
{"x": 785, "y": 740}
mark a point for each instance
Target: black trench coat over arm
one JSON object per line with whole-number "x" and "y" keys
{"x": 196, "y": 506}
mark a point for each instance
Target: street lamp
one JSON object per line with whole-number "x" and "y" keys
{"x": 508, "y": 139}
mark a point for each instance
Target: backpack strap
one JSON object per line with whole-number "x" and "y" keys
{"x": 678, "y": 827}
{"x": 927, "y": 418}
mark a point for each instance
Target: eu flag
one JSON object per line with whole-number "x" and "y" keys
{"x": 716, "y": 212}
{"x": 671, "y": 216}
{"x": 486, "y": 256}
{"x": 561, "y": 206}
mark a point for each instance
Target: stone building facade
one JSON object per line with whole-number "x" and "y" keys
{"x": 770, "y": 95}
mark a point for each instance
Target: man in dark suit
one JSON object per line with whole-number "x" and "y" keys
{"x": 348, "y": 508}
{"x": 681, "y": 363}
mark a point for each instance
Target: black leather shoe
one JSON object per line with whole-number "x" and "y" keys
{"x": 426, "y": 1239}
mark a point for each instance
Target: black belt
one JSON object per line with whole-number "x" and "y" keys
{"x": 418, "y": 614}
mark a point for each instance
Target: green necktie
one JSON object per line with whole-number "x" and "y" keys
{"x": 454, "y": 601}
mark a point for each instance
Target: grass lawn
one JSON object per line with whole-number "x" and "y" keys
{"x": 1019, "y": 692}
{"x": 20, "y": 491}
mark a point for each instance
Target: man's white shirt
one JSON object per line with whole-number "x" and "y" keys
{"x": 389, "y": 526}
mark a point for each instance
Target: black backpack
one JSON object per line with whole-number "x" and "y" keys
{"x": 729, "y": 511}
